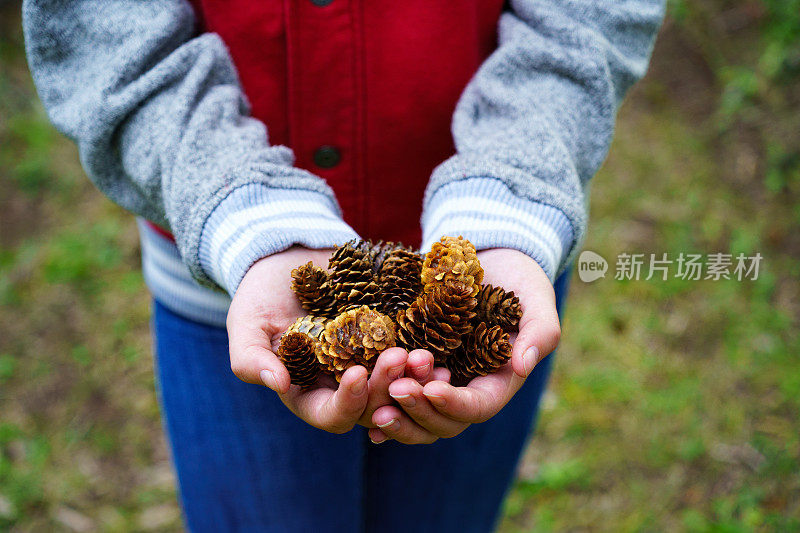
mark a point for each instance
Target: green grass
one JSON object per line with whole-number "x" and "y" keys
{"x": 674, "y": 404}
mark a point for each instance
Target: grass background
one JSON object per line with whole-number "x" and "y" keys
{"x": 674, "y": 404}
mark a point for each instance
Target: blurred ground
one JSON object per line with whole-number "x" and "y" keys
{"x": 674, "y": 404}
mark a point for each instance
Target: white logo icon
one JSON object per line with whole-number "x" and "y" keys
{"x": 591, "y": 266}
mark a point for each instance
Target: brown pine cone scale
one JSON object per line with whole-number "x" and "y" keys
{"x": 313, "y": 326}
{"x": 355, "y": 337}
{"x": 310, "y": 285}
{"x": 484, "y": 351}
{"x": 297, "y": 352}
{"x": 399, "y": 280}
{"x": 379, "y": 251}
{"x": 438, "y": 319}
{"x": 497, "y": 307}
{"x": 351, "y": 280}
{"x": 452, "y": 258}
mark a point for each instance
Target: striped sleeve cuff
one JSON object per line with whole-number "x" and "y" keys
{"x": 485, "y": 211}
{"x": 255, "y": 221}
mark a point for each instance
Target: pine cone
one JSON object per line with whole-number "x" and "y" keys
{"x": 313, "y": 326}
{"x": 310, "y": 285}
{"x": 297, "y": 352}
{"x": 454, "y": 258}
{"x": 497, "y": 307}
{"x": 378, "y": 252}
{"x": 399, "y": 280}
{"x": 298, "y": 349}
{"x": 355, "y": 337}
{"x": 484, "y": 350}
{"x": 438, "y": 319}
{"x": 351, "y": 280}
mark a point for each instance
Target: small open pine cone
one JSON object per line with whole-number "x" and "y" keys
{"x": 355, "y": 337}
{"x": 484, "y": 350}
{"x": 399, "y": 280}
{"x": 310, "y": 285}
{"x": 497, "y": 307}
{"x": 438, "y": 319}
{"x": 452, "y": 258}
{"x": 351, "y": 279}
{"x": 298, "y": 354}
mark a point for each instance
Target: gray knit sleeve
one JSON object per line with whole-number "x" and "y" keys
{"x": 161, "y": 122}
{"x": 535, "y": 123}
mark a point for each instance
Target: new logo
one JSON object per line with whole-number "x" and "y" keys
{"x": 591, "y": 266}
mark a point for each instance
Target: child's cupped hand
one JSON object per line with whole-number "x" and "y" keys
{"x": 431, "y": 408}
{"x": 261, "y": 310}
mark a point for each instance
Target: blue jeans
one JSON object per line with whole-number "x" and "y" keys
{"x": 246, "y": 463}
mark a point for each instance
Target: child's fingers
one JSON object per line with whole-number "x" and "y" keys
{"x": 479, "y": 401}
{"x": 253, "y": 361}
{"x": 261, "y": 366}
{"x": 536, "y": 339}
{"x": 390, "y": 365}
{"x": 440, "y": 373}
{"x": 539, "y": 328}
{"x": 345, "y": 406}
{"x": 334, "y": 411}
{"x": 408, "y": 394}
{"x": 395, "y": 425}
{"x": 377, "y": 436}
{"x": 420, "y": 366}
{"x": 459, "y": 403}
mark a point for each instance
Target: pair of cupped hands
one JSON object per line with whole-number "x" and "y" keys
{"x": 405, "y": 398}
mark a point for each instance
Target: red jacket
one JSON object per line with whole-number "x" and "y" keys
{"x": 363, "y": 92}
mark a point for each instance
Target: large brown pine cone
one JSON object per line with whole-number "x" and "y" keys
{"x": 298, "y": 354}
{"x": 399, "y": 280}
{"x": 310, "y": 285}
{"x": 497, "y": 307}
{"x": 438, "y": 319}
{"x": 351, "y": 279}
{"x": 484, "y": 350}
{"x": 452, "y": 258}
{"x": 355, "y": 337}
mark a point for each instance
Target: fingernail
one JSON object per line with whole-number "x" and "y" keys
{"x": 387, "y": 424}
{"x": 438, "y": 401}
{"x": 395, "y": 372}
{"x": 529, "y": 359}
{"x": 378, "y": 441}
{"x": 268, "y": 379}
{"x": 422, "y": 371}
{"x": 358, "y": 388}
{"x": 406, "y": 400}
